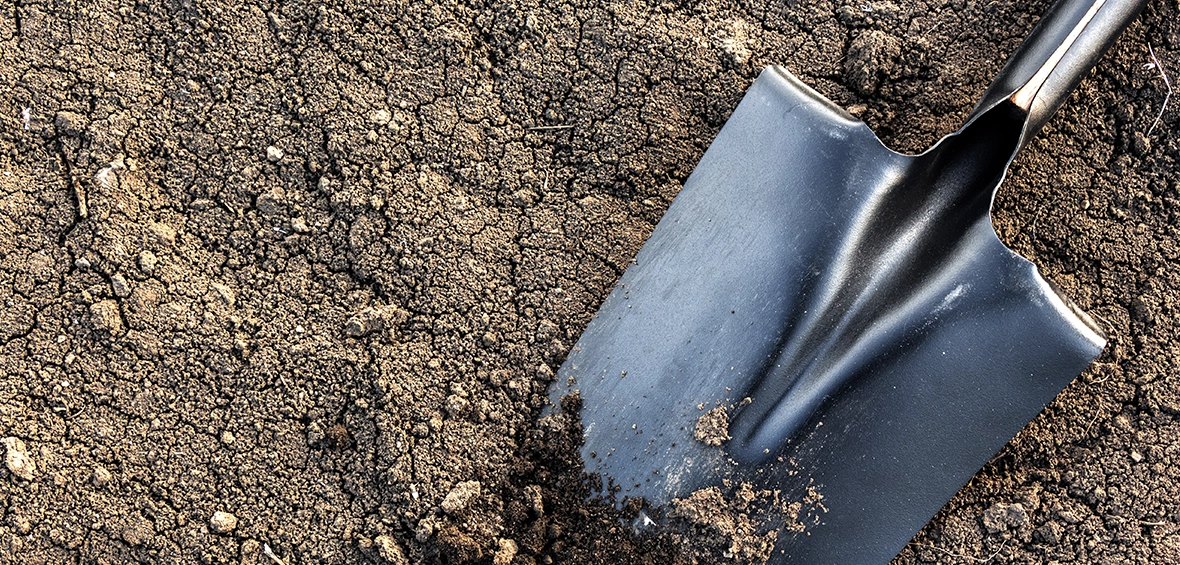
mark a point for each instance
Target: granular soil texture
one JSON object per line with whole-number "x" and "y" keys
{"x": 286, "y": 283}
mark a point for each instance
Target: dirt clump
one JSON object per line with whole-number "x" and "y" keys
{"x": 17, "y": 459}
{"x": 870, "y": 59}
{"x": 724, "y": 530}
{"x": 713, "y": 427}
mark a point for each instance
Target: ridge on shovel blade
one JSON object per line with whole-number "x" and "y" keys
{"x": 851, "y": 308}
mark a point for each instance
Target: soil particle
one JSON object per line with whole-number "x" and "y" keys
{"x": 70, "y": 123}
{"x": 147, "y": 262}
{"x": 373, "y": 319}
{"x": 163, "y": 235}
{"x": 250, "y": 553}
{"x": 299, "y": 225}
{"x": 223, "y": 522}
{"x": 119, "y": 286}
{"x": 270, "y": 203}
{"x": 870, "y": 59}
{"x": 17, "y": 458}
{"x": 390, "y": 551}
{"x": 138, "y": 531}
{"x": 533, "y": 495}
{"x": 1050, "y": 533}
{"x": 457, "y": 406}
{"x": 101, "y": 477}
{"x": 105, "y": 316}
{"x": 339, "y": 437}
{"x": 1000, "y": 517}
{"x": 458, "y": 547}
{"x": 725, "y": 526}
{"x": 506, "y": 550}
{"x": 380, "y": 116}
{"x": 713, "y": 427}
{"x": 461, "y": 496}
{"x": 224, "y": 293}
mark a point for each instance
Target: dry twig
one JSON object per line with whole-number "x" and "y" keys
{"x": 950, "y": 553}
{"x": 1156, "y": 62}
{"x": 271, "y": 554}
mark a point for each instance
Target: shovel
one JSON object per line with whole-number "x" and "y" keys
{"x": 821, "y": 317}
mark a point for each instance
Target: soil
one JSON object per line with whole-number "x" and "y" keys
{"x": 287, "y": 283}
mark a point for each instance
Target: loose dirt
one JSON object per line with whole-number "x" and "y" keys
{"x": 287, "y": 283}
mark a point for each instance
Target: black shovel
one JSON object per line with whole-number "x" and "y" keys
{"x": 843, "y": 317}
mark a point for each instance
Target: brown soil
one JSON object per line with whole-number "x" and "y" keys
{"x": 287, "y": 284}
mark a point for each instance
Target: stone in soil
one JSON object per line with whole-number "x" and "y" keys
{"x": 389, "y": 550}
{"x": 223, "y": 522}
{"x": 17, "y": 458}
{"x": 461, "y": 496}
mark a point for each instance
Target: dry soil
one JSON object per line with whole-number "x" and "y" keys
{"x": 286, "y": 282}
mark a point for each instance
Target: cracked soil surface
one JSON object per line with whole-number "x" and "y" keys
{"x": 286, "y": 283}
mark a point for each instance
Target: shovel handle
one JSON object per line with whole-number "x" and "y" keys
{"x": 1057, "y": 55}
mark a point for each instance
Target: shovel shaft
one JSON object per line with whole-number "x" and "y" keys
{"x": 1058, "y": 54}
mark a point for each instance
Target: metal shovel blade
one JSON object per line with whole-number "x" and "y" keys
{"x": 856, "y": 338}
{"x": 888, "y": 342}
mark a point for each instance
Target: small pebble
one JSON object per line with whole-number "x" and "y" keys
{"x": 101, "y": 477}
{"x": 82, "y": 263}
{"x": 299, "y": 225}
{"x": 461, "y": 496}
{"x": 227, "y": 437}
{"x": 380, "y": 117}
{"x": 532, "y": 495}
{"x": 390, "y": 551}
{"x": 274, "y": 154}
{"x": 147, "y": 262}
{"x": 457, "y": 405}
{"x": 17, "y": 458}
{"x": 505, "y": 552}
{"x": 119, "y": 286}
{"x": 223, "y": 522}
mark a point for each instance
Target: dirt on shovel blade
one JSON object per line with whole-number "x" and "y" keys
{"x": 287, "y": 283}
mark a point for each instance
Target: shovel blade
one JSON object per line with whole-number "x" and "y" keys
{"x": 882, "y": 393}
